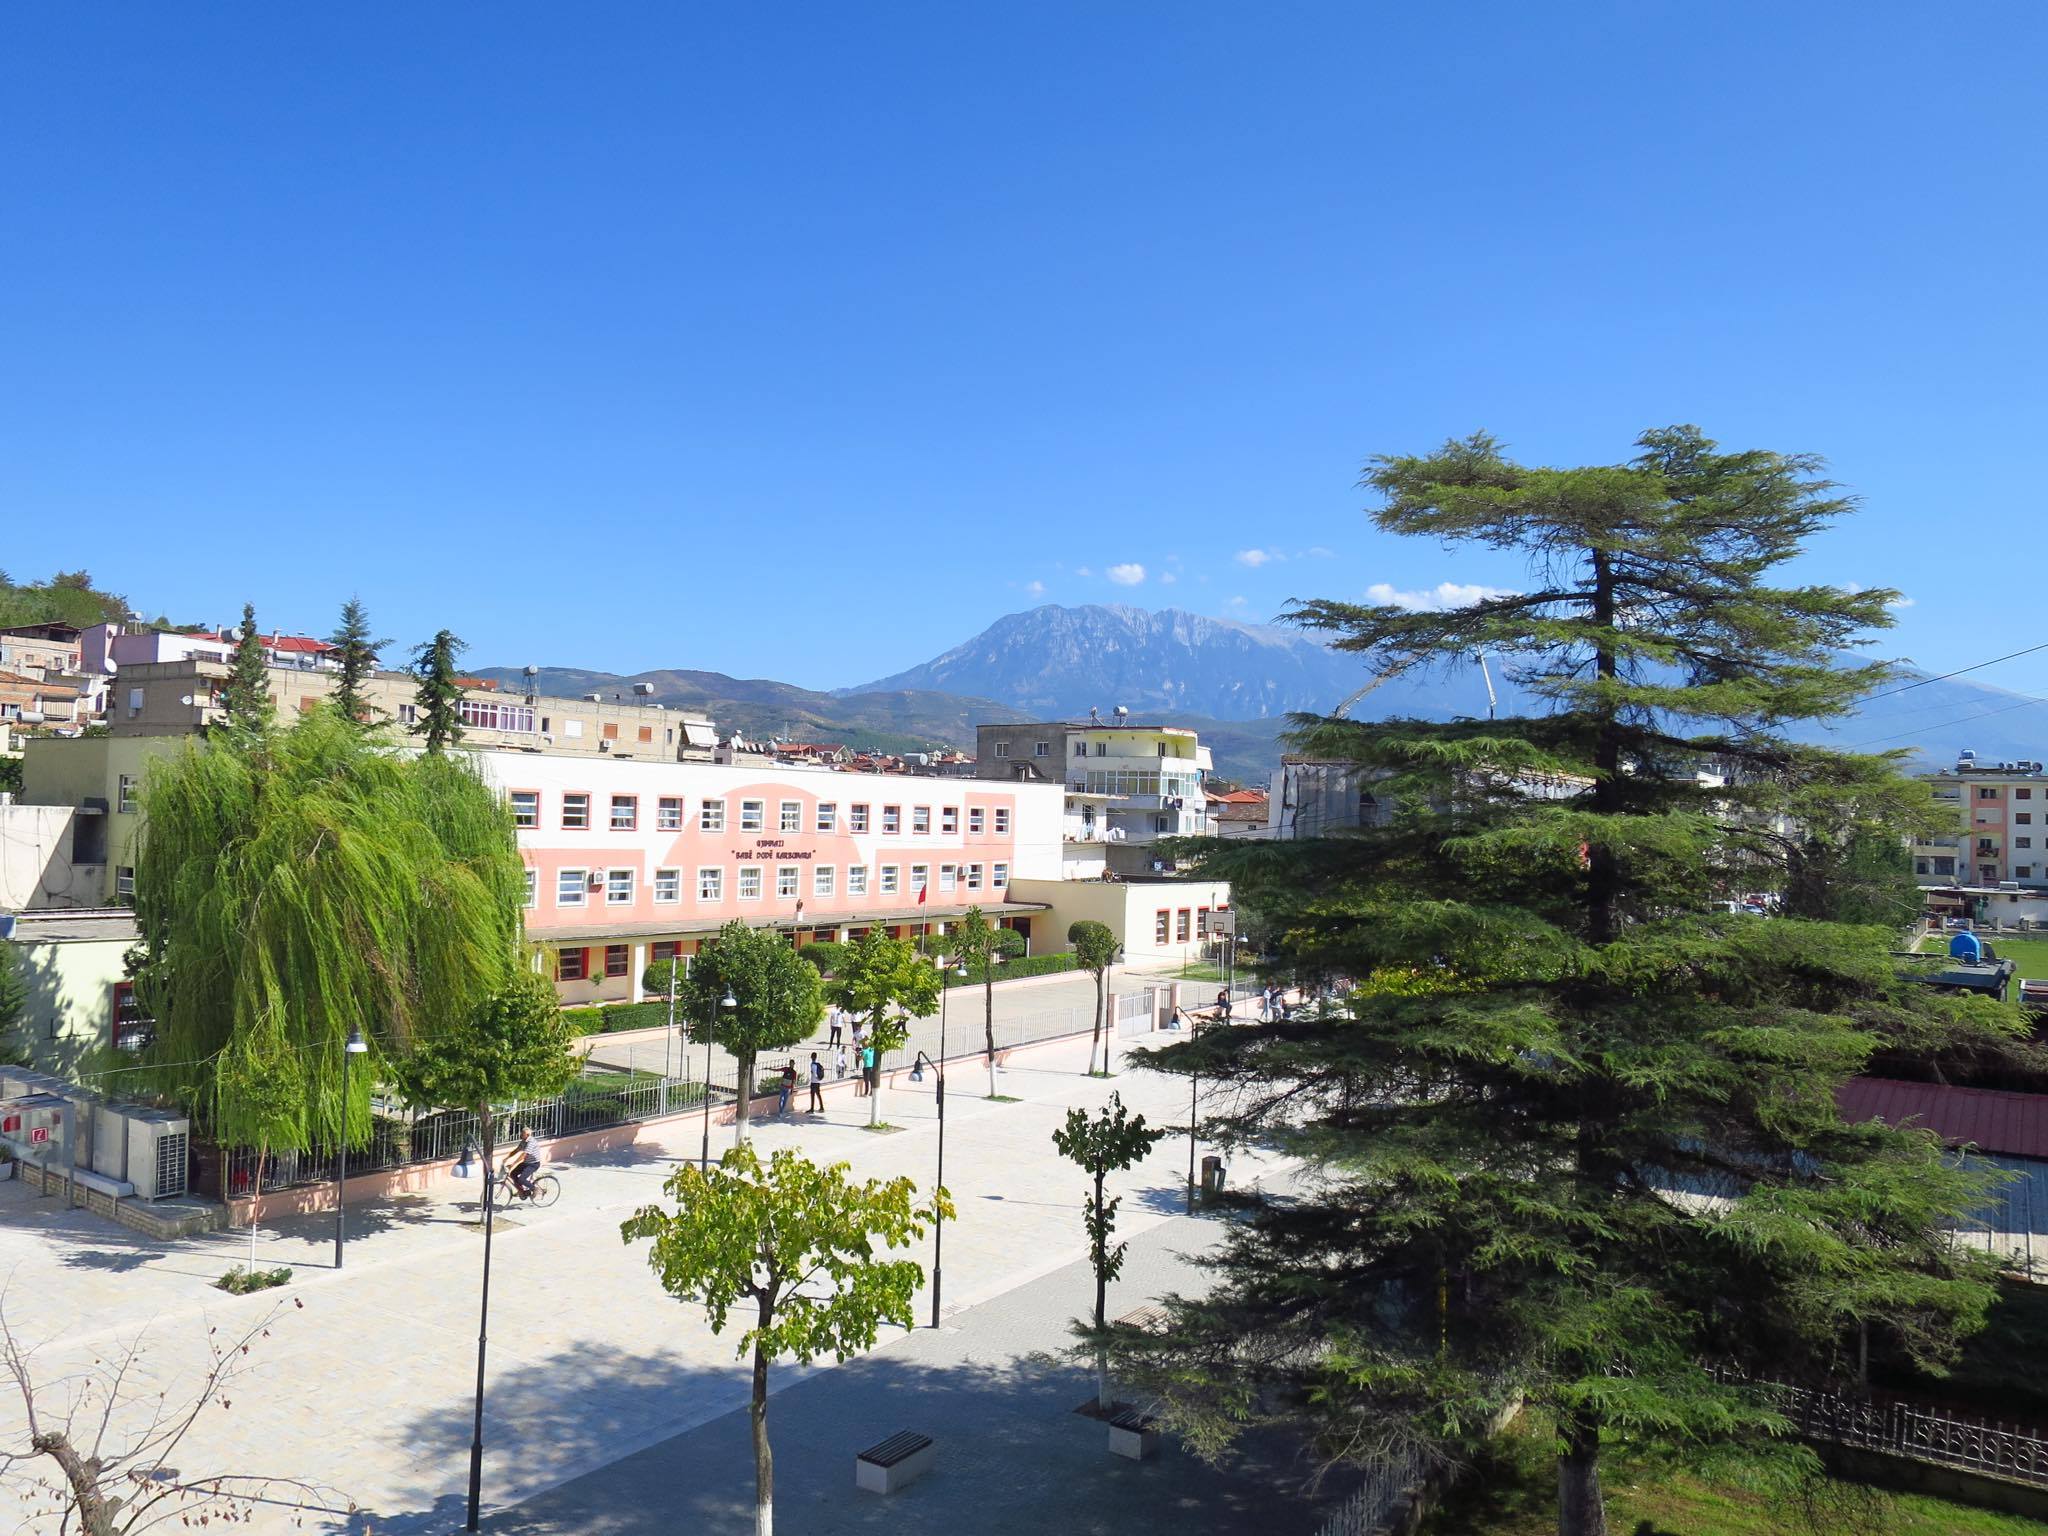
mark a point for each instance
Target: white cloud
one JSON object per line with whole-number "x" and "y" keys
{"x": 1256, "y": 557}
{"x": 1035, "y": 588}
{"x": 1318, "y": 552}
{"x": 1129, "y": 574}
{"x": 1902, "y": 602}
{"x": 1167, "y": 578}
{"x": 1445, "y": 594}
{"x": 1236, "y": 602}
{"x": 1082, "y": 570}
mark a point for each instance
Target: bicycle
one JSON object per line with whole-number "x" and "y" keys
{"x": 547, "y": 1189}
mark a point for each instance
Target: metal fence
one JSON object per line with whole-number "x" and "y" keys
{"x": 1918, "y": 1433}
{"x": 1370, "y": 1506}
{"x": 591, "y": 1103}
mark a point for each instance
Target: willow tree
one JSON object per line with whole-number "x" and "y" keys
{"x": 1574, "y": 1138}
{"x": 295, "y": 887}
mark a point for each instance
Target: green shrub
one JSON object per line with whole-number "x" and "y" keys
{"x": 826, "y": 954}
{"x": 241, "y": 1280}
{"x": 1010, "y": 970}
{"x": 610, "y": 1018}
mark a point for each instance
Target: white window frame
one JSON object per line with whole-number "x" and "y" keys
{"x": 619, "y": 883}
{"x": 920, "y": 821}
{"x": 790, "y": 816}
{"x": 857, "y": 817}
{"x": 512, "y": 799}
{"x": 828, "y": 816}
{"x": 890, "y": 884}
{"x": 999, "y": 877}
{"x": 1002, "y": 749}
{"x": 892, "y": 820}
{"x": 630, "y": 804}
{"x": 749, "y": 883}
{"x": 973, "y": 876}
{"x": 668, "y": 813}
{"x": 949, "y": 821}
{"x": 948, "y": 878}
{"x": 711, "y": 882}
{"x": 668, "y": 886}
{"x": 1002, "y": 821}
{"x": 572, "y": 887}
{"x": 711, "y": 816}
{"x": 568, "y": 797}
{"x": 124, "y": 795}
{"x": 856, "y": 879}
{"x": 532, "y": 888}
{"x": 124, "y": 882}
{"x": 824, "y": 880}
{"x": 789, "y": 881}
{"x": 976, "y": 820}
{"x": 753, "y": 815}
{"x": 920, "y": 877}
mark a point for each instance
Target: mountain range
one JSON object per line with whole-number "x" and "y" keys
{"x": 1233, "y": 682}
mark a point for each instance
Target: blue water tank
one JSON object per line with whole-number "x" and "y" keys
{"x": 1964, "y": 947}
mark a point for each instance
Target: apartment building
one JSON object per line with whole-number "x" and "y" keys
{"x": 1125, "y": 785}
{"x": 2000, "y": 836}
{"x": 40, "y": 651}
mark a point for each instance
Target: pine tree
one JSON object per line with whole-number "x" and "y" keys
{"x": 357, "y": 653}
{"x": 439, "y": 695}
{"x": 250, "y": 711}
{"x": 1575, "y": 1126}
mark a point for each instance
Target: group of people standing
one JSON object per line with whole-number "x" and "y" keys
{"x": 862, "y": 1056}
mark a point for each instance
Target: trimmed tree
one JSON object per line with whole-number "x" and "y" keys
{"x": 1095, "y": 951}
{"x": 1104, "y": 1144}
{"x": 981, "y": 945}
{"x": 356, "y": 653}
{"x": 13, "y": 1003}
{"x": 247, "y": 702}
{"x": 886, "y": 982}
{"x": 438, "y": 699}
{"x": 1574, "y": 1139}
{"x": 778, "y": 1001}
{"x": 802, "y": 1247}
{"x": 513, "y": 1045}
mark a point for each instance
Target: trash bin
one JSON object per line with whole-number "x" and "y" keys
{"x": 1212, "y": 1177}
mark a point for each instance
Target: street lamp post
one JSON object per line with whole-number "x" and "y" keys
{"x": 704, "y": 1156}
{"x": 349, "y": 1053}
{"x": 1194, "y": 1077}
{"x": 483, "y": 1328}
{"x": 939, "y": 1225}
{"x": 668, "y": 1041}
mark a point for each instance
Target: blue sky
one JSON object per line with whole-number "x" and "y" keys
{"x": 803, "y": 341}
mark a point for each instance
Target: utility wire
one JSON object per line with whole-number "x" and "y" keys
{"x": 1959, "y": 671}
{"x": 1982, "y": 714}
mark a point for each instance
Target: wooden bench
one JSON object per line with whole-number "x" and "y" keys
{"x": 1132, "y": 1433}
{"x": 895, "y": 1463}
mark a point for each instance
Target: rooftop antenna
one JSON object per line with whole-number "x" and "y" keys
{"x": 532, "y": 683}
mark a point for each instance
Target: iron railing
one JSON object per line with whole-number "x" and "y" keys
{"x": 1917, "y": 1432}
{"x": 1368, "y": 1509}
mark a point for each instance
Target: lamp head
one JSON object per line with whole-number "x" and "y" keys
{"x": 355, "y": 1046}
{"x": 728, "y": 1001}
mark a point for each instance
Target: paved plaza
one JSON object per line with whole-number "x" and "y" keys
{"x": 367, "y": 1387}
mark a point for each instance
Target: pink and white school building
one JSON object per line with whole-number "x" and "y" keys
{"x": 631, "y": 862}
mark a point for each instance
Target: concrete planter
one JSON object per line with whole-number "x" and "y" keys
{"x": 1133, "y": 1442}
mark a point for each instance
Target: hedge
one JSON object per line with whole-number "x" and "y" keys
{"x": 1023, "y": 965}
{"x": 611, "y": 1018}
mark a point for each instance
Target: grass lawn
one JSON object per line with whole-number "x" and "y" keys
{"x": 1515, "y": 1494}
{"x": 2030, "y": 955}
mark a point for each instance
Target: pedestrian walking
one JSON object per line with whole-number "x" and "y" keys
{"x": 1223, "y": 1003}
{"x": 839, "y": 1064}
{"x": 817, "y": 1105}
{"x": 837, "y": 1018}
{"x": 869, "y": 1071}
{"x": 788, "y": 1087}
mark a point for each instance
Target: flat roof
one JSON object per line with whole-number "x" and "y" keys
{"x": 76, "y": 925}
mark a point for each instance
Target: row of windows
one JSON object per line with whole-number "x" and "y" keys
{"x": 623, "y": 815}
{"x": 619, "y": 887}
{"x": 1175, "y": 927}
{"x": 2020, "y": 792}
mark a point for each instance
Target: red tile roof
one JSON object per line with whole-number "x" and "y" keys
{"x": 1991, "y": 1120}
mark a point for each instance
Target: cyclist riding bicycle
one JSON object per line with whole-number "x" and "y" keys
{"x": 523, "y": 1162}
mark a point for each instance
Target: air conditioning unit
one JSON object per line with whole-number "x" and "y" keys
{"x": 159, "y": 1148}
{"x": 597, "y": 879}
{"x": 604, "y": 746}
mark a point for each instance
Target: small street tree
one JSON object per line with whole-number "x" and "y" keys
{"x": 981, "y": 945}
{"x": 1104, "y": 1144}
{"x": 514, "y": 1044}
{"x": 260, "y": 1102}
{"x": 1095, "y": 951}
{"x": 1574, "y": 1137}
{"x": 356, "y": 653}
{"x": 886, "y": 982}
{"x": 778, "y": 1001}
{"x": 438, "y": 698}
{"x": 248, "y": 705}
{"x": 800, "y": 1246}
{"x": 116, "y": 1448}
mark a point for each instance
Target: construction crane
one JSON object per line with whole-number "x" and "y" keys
{"x": 1343, "y": 711}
